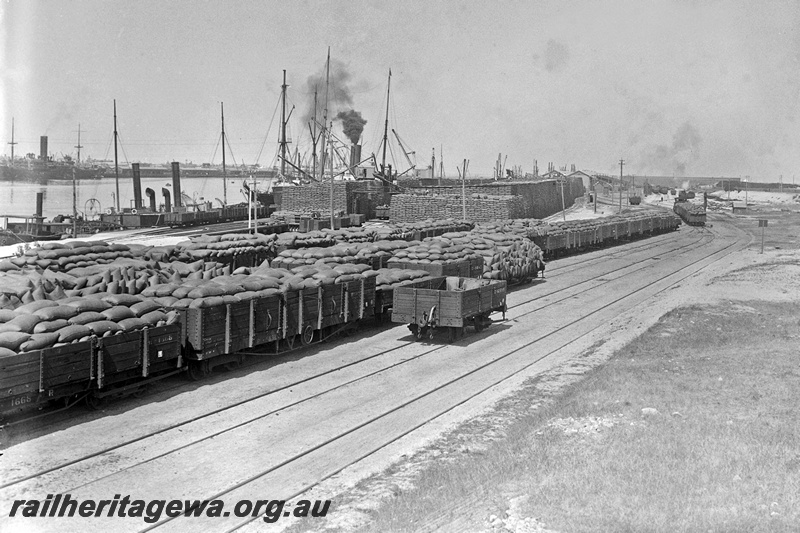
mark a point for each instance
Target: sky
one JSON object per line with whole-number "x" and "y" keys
{"x": 690, "y": 88}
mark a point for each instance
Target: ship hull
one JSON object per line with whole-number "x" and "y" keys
{"x": 46, "y": 173}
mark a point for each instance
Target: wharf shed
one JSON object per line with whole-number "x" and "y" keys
{"x": 584, "y": 177}
{"x": 494, "y": 201}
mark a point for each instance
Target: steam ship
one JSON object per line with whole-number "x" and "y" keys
{"x": 45, "y": 167}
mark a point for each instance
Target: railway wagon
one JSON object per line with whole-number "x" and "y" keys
{"x": 142, "y": 218}
{"x": 448, "y": 302}
{"x": 92, "y": 369}
{"x": 200, "y": 340}
{"x": 692, "y": 214}
{"x": 453, "y": 267}
{"x": 222, "y": 334}
{"x": 574, "y": 236}
{"x": 41, "y": 376}
{"x": 218, "y": 335}
{"x": 214, "y": 336}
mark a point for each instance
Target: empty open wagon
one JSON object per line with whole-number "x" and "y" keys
{"x": 450, "y": 303}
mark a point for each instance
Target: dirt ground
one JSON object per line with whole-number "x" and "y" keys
{"x": 773, "y": 276}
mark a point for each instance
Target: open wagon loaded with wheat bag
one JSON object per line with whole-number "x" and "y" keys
{"x": 449, "y": 303}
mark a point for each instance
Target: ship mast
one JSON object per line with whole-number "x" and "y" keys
{"x": 283, "y": 127}
{"x": 330, "y": 145}
{"x": 224, "y": 168}
{"x": 441, "y": 163}
{"x": 79, "y": 143}
{"x": 12, "y": 143}
{"x": 325, "y": 115}
{"x": 314, "y": 135}
{"x": 116, "y": 160}
{"x": 386, "y": 128}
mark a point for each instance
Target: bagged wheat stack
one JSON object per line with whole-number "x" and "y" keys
{"x": 439, "y": 256}
{"x": 259, "y": 282}
{"x": 45, "y": 324}
{"x": 391, "y": 232}
{"x": 221, "y": 247}
{"x": 369, "y": 253}
{"x": 432, "y": 227}
{"x": 351, "y": 235}
{"x": 506, "y": 256}
{"x": 389, "y": 278}
{"x": 291, "y": 240}
{"x": 524, "y": 227}
{"x": 72, "y": 254}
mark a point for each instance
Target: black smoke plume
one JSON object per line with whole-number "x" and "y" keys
{"x": 352, "y": 124}
{"x": 339, "y": 92}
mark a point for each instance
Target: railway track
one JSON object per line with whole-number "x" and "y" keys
{"x": 409, "y": 362}
{"x": 541, "y": 292}
{"x": 164, "y": 389}
{"x": 560, "y": 267}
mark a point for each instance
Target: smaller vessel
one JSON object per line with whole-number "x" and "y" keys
{"x": 18, "y": 229}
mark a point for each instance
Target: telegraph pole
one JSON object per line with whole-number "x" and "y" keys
{"x": 116, "y": 157}
{"x": 746, "y": 187}
{"x": 330, "y": 146}
{"x": 224, "y": 168}
{"x": 464, "y": 192}
{"x": 621, "y": 162}
{"x": 75, "y": 205}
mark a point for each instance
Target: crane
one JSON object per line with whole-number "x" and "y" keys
{"x": 405, "y": 152}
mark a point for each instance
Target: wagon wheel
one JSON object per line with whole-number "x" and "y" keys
{"x": 479, "y": 324}
{"x": 197, "y": 370}
{"x": 141, "y": 391}
{"x": 351, "y": 328}
{"x": 233, "y": 365}
{"x": 94, "y": 402}
{"x": 307, "y": 336}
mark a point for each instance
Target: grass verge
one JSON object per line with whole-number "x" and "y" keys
{"x": 716, "y": 449}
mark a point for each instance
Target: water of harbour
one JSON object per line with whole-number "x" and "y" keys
{"x": 18, "y": 197}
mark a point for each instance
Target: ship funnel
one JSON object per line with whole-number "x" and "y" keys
{"x": 355, "y": 156}
{"x": 176, "y": 182}
{"x": 43, "y": 147}
{"x": 151, "y": 194}
{"x": 137, "y": 186}
{"x": 167, "y": 200}
{"x": 39, "y": 203}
